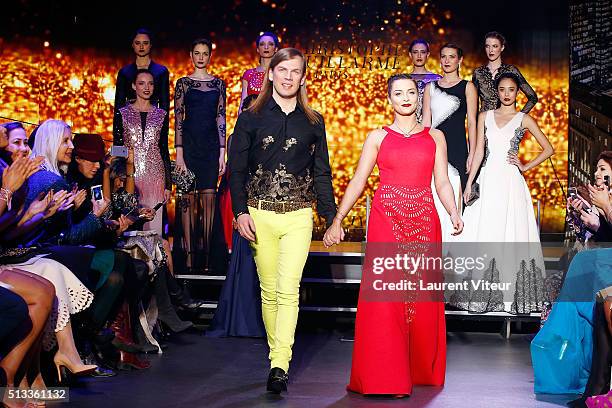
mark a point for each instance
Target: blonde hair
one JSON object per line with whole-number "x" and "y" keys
{"x": 282, "y": 55}
{"x": 48, "y": 139}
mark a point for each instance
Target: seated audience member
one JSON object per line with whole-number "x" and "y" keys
{"x": 26, "y": 301}
{"x": 590, "y": 207}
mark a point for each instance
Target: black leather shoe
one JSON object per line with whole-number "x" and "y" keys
{"x": 277, "y": 380}
{"x": 100, "y": 371}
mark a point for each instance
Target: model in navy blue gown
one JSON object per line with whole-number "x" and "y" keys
{"x": 239, "y": 309}
{"x": 199, "y": 105}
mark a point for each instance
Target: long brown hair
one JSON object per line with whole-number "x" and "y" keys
{"x": 606, "y": 156}
{"x": 285, "y": 54}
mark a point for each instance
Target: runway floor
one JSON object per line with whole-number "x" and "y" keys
{"x": 483, "y": 370}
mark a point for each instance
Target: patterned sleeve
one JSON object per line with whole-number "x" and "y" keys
{"x": 532, "y": 97}
{"x": 475, "y": 78}
{"x": 476, "y": 82}
{"x": 221, "y": 114}
{"x": 179, "y": 112}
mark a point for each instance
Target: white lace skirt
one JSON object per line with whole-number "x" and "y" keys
{"x": 71, "y": 296}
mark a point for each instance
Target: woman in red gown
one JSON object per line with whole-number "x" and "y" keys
{"x": 399, "y": 343}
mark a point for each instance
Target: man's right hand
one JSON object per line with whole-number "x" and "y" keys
{"x": 246, "y": 227}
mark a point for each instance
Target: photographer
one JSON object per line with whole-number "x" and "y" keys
{"x": 590, "y": 207}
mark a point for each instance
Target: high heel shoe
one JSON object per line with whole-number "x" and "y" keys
{"x": 62, "y": 363}
{"x": 166, "y": 312}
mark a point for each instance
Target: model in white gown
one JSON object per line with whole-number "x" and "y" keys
{"x": 504, "y": 211}
{"x": 502, "y": 221}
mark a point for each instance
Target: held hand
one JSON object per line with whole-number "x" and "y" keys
{"x": 147, "y": 213}
{"x": 574, "y": 204}
{"x": 124, "y": 224}
{"x": 334, "y": 234}
{"x": 513, "y": 159}
{"x": 221, "y": 166}
{"x": 600, "y": 197}
{"x": 467, "y": 193}
{"x": 100, "y": 206}
{"x": 246, "y": 227}
{"x": 79, "y": 198}
{"x": 590, "y": 219}
{"x": 234, "y": 224}
{"x": 457, "y": 224}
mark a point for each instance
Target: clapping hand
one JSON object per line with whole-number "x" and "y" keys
{"x": 19, "y": 171}
{"x": 40, "y": 205}
{"x": 600, "y": 197}
{"x": 79, "y": 198}
{"x": 58, "y": 203}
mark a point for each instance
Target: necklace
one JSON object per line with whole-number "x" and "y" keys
{"x": 407, "y": 134}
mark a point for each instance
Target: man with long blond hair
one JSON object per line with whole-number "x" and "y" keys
{"x": 279, "y": 166}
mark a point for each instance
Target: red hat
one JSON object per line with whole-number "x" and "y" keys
{"x": 89, "y": 146}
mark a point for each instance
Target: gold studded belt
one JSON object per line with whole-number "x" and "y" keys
{"x": 279, "y": 207}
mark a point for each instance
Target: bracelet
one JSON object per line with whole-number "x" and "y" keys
{"x": 340, "y": 216}
{"x": 130, "y": 175}
{"x": 240, "y": 213}
{"x": 6, "y": 195}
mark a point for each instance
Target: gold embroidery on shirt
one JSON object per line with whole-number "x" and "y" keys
{"x": 289, "y": 143}
{"x": 267, "y": 141}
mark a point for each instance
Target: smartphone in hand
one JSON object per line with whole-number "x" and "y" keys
{"x": 119, "y": 151}
{"x": 96, "y": 193}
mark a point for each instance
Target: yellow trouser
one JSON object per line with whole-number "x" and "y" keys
{"x": 280, "y": 251}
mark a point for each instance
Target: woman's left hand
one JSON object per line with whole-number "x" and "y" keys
{"x": 457, "y": 224}
{"x": 590, "y": 219}
{"x": 600, "y": 197}
{"x": 79, "y": 198}
{"x": 147, "y": 213}
{"x": 513, "y": 159}
{"x": 221, "y": 165}
{"x": 41, "y": 204}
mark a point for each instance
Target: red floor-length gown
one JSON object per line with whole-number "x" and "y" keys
{"x": 395, "y": 348}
